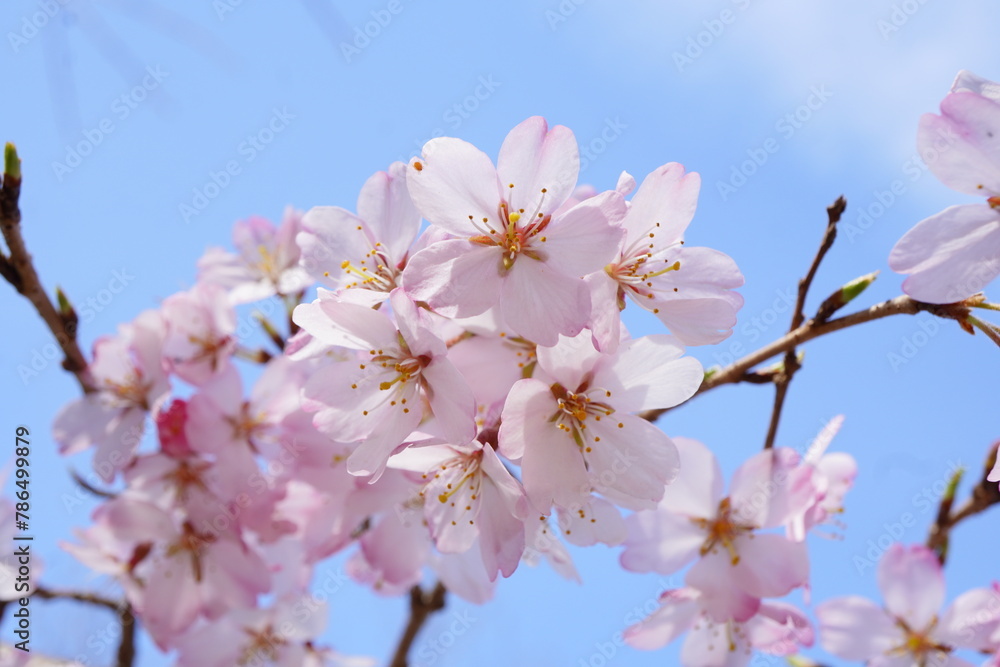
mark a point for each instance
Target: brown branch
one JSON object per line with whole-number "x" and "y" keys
{"x": 126, "y": 647}
{"x": 739, "y": 370}
{"x": 422, "y": 605}
{"x": 79, "y": 596}
{"x": 985, "y": 495}
{"x": 792, "y": 365}
{"x": 20, "y": 272}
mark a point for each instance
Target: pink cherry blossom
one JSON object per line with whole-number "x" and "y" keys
{"x": 910, "y": 629}
{"x": 266, "y": 262}
{"x": 575, "y": 431}
{"x": 468, "y": 494}
{"x": 368, "y": 251}
{"x": 694, "y": 520}
{"x": 377, "y": 397}
{"x": 720, "y": 641}
{"x": 688, "y": 289}
{"x": 276, "y": 636}
{"x": 200, "y": 336}
{"x": 956, "y": 253}
{"x": 131, "y": 383}
{"x": 510, "y": 249}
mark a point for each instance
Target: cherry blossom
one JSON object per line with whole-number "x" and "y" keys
{"x": 131, "y": 383}
{"x": 956, "y": 253}
{"x": 368, "y": 251}
{"x": 574, "y": 431}
{"x": 470, "y": 495}
{"x": 377, "y": 397}
{"x": 715, "y": 640}
{"x": 688, "y": 289}
{"x": 695, "y": 520}
{"x": 910, "y": 629}
{"x": 510, "y": 249}
{"x": 266, "y": 262}
{"x": 200, "y": 337}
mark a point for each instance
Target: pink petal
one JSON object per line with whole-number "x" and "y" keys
{"x": 605, "y": 316}
{"x": 721, "y": 600}
{"x": 632, "y": 462}
{"x": 856, "y": 629}
{"x": 698, "y": 489}
{"x": 455, "y": 277}
{"x": 779, "y": 629}
{"x": 384, "y": 203}
{"x": 912, "y": 584}
{"x": 597, "y": 521}
{"x": 454, "y": 180}
{"x": 951, "y": 255}
{"x": 584, "y": 239}
{"x": 540, "y": 303}
{"x": 664, "y": 204}
{"x": 770, "y": 565}
{"x": 534, "y": 158}
{"x": 972, "y": 620}
{"x": 651, "y": 373}
{"x": 330, "y": 236}
{"x": 569, "y": 360}
{"x": 660, "y": 541}
{"x": 677, "y": 613}
{"x": 962, "y": 146}
{"x": 552, "y": 469}
{"x": 451, "y": 400}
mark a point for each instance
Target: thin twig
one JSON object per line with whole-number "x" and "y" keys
{"x": 739, "y": 370}
{"x": 985, "y": 495}
{"x": 79, "y": 596}
{"x": 19, "y": 271}
{"x": 126, "y": 647}
{"x": 791, "y": 365}
{"x": 422, "y": 605}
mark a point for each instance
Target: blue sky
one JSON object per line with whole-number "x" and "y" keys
{"x": 219, "y": 110}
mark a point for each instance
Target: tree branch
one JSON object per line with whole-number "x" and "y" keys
{"x": 985, "y": 495}
{"x": 422, "y": 605}
{"x": 19, "y": 271}
{"x": 739, "y": 370}
{"x": 126, "y": 647}
{"x": 792, "y": 365}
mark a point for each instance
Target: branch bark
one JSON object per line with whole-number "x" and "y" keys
{"x": 739, "y": 370}
{"x": 792, "y": 365}
{"x": 19, "y": 271}
{"x": 422, "y": 605}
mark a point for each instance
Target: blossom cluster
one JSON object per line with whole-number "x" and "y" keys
{"x": 456, "y": 391}
{"x": 450, "y": 387}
